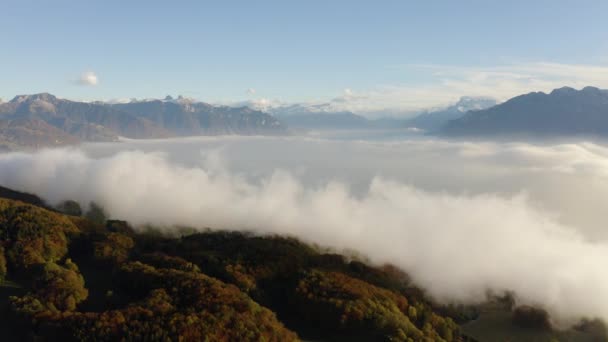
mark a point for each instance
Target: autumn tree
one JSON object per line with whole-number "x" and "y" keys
{"x": 60, "y": 286}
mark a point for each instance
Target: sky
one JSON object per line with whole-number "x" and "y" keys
{"x": 365, "y": 56}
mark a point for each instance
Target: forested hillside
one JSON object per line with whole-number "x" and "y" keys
{"x": 84, "y": 278}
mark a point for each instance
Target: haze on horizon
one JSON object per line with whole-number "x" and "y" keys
{"x": 388, "y": 57}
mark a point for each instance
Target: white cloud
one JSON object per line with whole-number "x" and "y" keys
{"x": 88, "y": 78}
{"x": 460, "y": 217}
{"x": 262, "y": 104}
{"x": 445, "y": 84}
{"x": 251, "y": 91}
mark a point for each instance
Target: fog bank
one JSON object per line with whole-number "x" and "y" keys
{"x": 460, "y": 218}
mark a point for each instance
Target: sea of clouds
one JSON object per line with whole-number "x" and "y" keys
{"x": 461, "y": 218}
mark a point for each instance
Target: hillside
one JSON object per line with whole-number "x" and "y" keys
{"x": 76, "y": 279}
{"x": 564, "y": 111}
{"x": 32, "y": 133}
{"x": 45, "y": 120}
{"x": 87, "y": 278}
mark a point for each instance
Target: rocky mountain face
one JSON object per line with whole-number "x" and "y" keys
{"x": 31, "y": 133}
{"x": 564, "y": 111}
{"x": 45, "y": 120}
{"x": 184, "y": 117}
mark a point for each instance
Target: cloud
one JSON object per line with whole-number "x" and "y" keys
{"x": 262, "y": 104}
{"x": 348, "y": 96}
{"x": 88, "y": 78}
{"x": 445, "y": 84}
{"x": 462, "y": 218}
{"x": 251, "y": 91}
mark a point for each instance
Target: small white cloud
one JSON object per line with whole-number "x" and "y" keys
{"x": 258, "y": 104}
{"x": 88, "y": 78}
{"x": 251, "y": 91}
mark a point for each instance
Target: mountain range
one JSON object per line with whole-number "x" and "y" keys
{"x": 41, "y": 120}
{"x": 434, "y": 120}
{"x": 306, "y": 117}
{"x": 321, "y": 116}
{"x": 564, "y": 111}
{"x": 45, "y": 120}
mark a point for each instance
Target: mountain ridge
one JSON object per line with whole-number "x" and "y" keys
{"x": 60, "y": 121}
{"x": 320, "y": 116}
{"x": 563, "y": 111}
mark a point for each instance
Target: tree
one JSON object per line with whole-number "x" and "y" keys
{"x": 532, "y": 318}
{"x": 70, "y": 207}
{"x": 114, "y": 248}
{"x": 96, "y": 214}
{"x": 61, "y": 286}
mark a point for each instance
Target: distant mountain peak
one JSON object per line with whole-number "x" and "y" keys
{"x": 467, "y": 103}
{"x": 594, "y": 90}
{"x": 563, "y": 91}
{"x": 34, "y": 97}
{"x": 434, "y": 120}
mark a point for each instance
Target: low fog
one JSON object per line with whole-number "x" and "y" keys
{"x": 461, "y": 218}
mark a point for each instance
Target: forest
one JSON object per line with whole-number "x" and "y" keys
{"x": 74, "y": 275}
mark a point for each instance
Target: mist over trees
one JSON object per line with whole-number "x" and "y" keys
{"x": 77, "y": 279}
{"x": 84, "y": 278}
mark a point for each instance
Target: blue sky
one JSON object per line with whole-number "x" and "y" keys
{"x": 365, "y": 55}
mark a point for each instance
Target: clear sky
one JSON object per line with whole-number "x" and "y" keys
{"x": 365, "y": 55}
